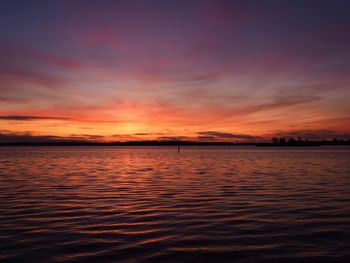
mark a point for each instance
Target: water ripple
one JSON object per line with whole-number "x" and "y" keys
{"x": 86, "y": 204}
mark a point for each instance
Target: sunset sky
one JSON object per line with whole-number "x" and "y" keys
{"x": 195, "y": 70}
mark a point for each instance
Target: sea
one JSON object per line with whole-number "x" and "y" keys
{"x": 155, "y": 204}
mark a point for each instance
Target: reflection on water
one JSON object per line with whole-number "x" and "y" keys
{"x": 86, "y": 204}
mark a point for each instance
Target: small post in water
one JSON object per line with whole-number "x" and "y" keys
{"x": 178, "y": 148}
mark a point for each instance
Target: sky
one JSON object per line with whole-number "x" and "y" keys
{"x": 167, "y": 70}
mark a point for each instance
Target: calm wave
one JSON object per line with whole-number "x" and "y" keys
{"x": 86, "y": 204}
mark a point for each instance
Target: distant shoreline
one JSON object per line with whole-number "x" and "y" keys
{"x": 183, "y": 143}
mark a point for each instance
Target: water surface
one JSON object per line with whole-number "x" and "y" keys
{"x": 152, "y": 204}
